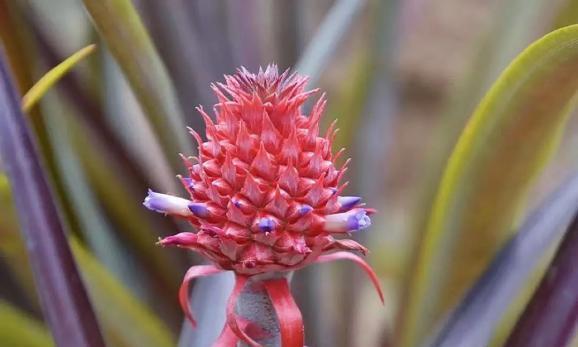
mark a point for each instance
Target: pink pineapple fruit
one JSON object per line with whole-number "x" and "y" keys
{"x": 264, "y": 194}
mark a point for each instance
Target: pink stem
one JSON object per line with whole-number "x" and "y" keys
{"x": 287, "y": 311}
{"x": 254, "y": 307}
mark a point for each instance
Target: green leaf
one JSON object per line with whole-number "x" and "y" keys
{"x": 125, "y": 35}
{"x": 503, "y": 148}
{"x": 125, "y": 321}
{"x": 93, "y": 190}
{"x": 18, "y": 329}
{"x": 480, "y": 313}
{"x": 328, "y": 36}
{"x": 51, "y": 77}
{"x": 13, "y": 37}
{"x": 12, "y": 249}
{"x": 136, "y": 225}
{"x": 63, "y": 297}
{"x": 567, "y": 14}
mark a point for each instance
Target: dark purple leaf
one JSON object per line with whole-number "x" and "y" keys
{"x": 473, "y": 322}
{"x": 552, "y": 314}
{"x": 62, "y": 295}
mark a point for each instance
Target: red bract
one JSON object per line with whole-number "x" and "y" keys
{"x": 264, "y": 192}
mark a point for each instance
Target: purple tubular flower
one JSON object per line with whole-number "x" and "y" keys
{"x": 198, "y": 209}
{"x": 346, "y": 203}
{"x": 304, "y": 209}
{"x": 266, "y": 225}
{"x": 353, "y": 220}
{"x": 189, "y": 182}
{"x": 358, "y": 221}
{"x": 167, "y": 204}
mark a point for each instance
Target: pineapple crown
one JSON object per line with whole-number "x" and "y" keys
{"x": 265, "y": 189}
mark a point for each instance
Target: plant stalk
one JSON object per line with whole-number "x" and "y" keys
{"x": 255, "y": 305}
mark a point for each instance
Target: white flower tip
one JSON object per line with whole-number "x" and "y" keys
{"x": 353, "y": 220}
{"x": 168, "y": 204}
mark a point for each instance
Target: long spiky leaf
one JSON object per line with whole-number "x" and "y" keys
{"x": 125, "y": 35}
{"x": 119, "y": 312}
{"x": 551, "y": 316}
{"x": 327, "y": 38}
{"x": 40, "y": 88}
{"x": 504, "y": 147}
{"x": 64, "y": 300}
{"x": 125, "y": 319}
{"x": 474, "y": 320}
{"x": 18, "y": 329}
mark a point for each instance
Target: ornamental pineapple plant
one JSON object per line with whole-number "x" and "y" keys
{"x": 265, "y": 196}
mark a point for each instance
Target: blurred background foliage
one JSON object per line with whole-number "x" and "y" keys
{"x": 402, "y": 77}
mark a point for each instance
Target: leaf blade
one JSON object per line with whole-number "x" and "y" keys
{"x": 62, "y": 294}
{"x": 327, "y": 37}
{"x": 550, "y": 317}
{"x": 17, "y": 329}
{"x": 473, "y": 321}
{"x": 502, "y": 149}
{"x": 125, "y": 35}
{"x": 34, "y": 94}
{"x": 120, "y": 313}
{"x": 124, "y": 319}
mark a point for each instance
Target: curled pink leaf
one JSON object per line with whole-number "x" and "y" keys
{"x": 357, "y": 260}
{"x": 287, "y": 311}
{"x": 227, "y": 338}
{"x": 192, "y": 273}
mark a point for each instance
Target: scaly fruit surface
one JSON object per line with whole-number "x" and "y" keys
{"x": 264, "y": 189}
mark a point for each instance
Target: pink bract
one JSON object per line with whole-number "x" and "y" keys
{"x": 264, "y": 189}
